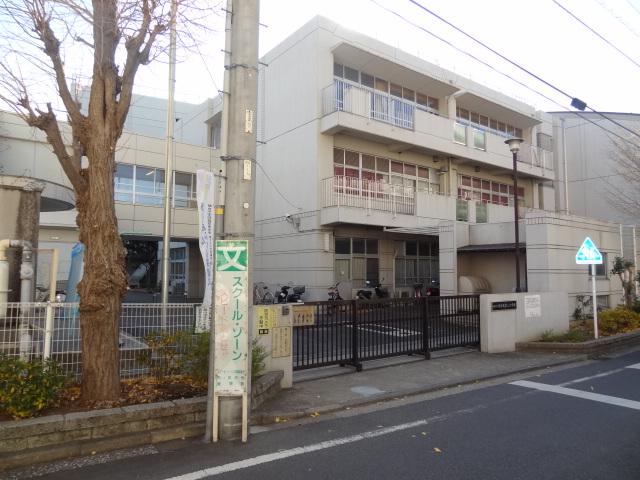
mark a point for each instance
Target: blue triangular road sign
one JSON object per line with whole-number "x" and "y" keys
{"x": 588, "y": 253}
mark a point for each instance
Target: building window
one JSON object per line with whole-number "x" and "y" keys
{"x": 485, "y": 123}
{"x": 416, "y": 262}
{"x": 149, "y": 187}
{"x": 421, "y": 100}
{"x": 123, "y": 183}
{"x": 184, "y": 190}
{"x": 145, "y": 186}
{"x": 370, "y": 168}
{"x": 487, "y": 191}
{"x": 601, "y": 270}
{"x": 358, "y": 257}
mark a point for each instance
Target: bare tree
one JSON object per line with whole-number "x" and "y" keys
{"x": 43, "y": 36}
{"x": 625, "y": 196}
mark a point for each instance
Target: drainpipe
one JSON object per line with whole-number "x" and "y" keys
{"x": 26, "y": 280}
{"x": 4, "y": 277}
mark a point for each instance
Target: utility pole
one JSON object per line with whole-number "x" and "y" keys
{"x": 168, "y": 173}
{"x": 240, "y": 160}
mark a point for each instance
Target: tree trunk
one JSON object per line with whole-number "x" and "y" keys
{"x": 104, "y": 280}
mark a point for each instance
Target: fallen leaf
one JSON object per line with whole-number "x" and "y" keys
{"x": 424, "y": 433}
{"x": 93, "y": 452}
{"x": 437, "y": 450}
{"x": 315, "y": 414}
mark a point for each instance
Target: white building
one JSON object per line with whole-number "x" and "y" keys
{"x": 390, "y": 169}
{"x": 139, "y": 191}
{"x": 374, "y": 166}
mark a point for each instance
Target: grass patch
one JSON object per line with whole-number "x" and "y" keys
{"x": 572, "y": 336}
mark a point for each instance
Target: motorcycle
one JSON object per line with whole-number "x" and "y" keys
{"x": 334, "y": 293}
{"x": 434, "y": 289}
{"x": 334, "y": 296}
{"x": 285, "y": 297}
{"x": 363, "y": 294}
{"x": 381, "y": 292}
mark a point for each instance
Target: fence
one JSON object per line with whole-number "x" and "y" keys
{"x": 52, "y": 331}
{"x": 350, "y": 332}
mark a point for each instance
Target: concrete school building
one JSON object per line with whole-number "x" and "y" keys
{"x": 391, "y": 169}
{"x": 374, "y": 166}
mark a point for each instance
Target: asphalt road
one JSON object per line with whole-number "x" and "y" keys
{"x": 575, "y": 423}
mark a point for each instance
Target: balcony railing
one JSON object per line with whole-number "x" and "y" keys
{"x": 477, "y": 135}
{"x": 369, "y": 103}
{"x": 341, "y": 191}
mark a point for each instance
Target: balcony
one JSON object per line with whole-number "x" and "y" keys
{"x": 480, "y": 137}
{"x": 367, "y": 113}
{"x": 367, "y": 202}
{"x": 343, "y": 96}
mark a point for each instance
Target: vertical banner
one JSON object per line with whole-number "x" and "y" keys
{"x": 231, "y": 317}
{"x": 205, "y": 195}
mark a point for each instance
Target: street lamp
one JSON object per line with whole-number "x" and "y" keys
{"x": 514, "y": 146}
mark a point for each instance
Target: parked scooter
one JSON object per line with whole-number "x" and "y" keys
{"x": 363, "y": 294}
{"x": 381, "y": 292}
{"x": 334, "y": 293}
{"x": 434, "y": 289}
{"x": 285, "y": 297}
{"x": 296, "y": 296}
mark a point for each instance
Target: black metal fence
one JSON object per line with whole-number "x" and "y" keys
{"x": 350, "y": 332}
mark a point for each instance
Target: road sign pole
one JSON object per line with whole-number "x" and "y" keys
{"x": 594, "y": 301}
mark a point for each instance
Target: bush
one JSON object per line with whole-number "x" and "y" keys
{"x": 618, "y": 320}
{"x": 195, "y": 355}
{"x": 258, "y": 356}
{"x": 27, "y": 387}
{"x": 573, "y": 336}
{"x": 187, "y": 353}
{"x": 162, "y": 357}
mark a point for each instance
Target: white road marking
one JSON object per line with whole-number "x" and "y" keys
{"x": 586, "y": 379}
{"x": 272, "y": 457}
{"x": 596, "y": 397}
{"x": 636, "y": 366}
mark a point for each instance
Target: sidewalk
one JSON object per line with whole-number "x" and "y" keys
{"x": 330, "y": 389}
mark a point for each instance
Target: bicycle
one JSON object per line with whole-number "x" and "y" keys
{"x": 262, "y": 295}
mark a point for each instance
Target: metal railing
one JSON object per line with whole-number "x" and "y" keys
{"x": 52, "y": 331}
{"x": 368, "y": 194}
{"x": 367, "y": 102}
{"x": 350, "y": 332}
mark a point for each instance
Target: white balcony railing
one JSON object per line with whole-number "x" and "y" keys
{"x": 369, "y": 103}
{"x": 477, "y": 136}
{"x": 341, "y": 191}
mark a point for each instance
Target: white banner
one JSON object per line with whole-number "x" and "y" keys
{"x": 205, "y": 194}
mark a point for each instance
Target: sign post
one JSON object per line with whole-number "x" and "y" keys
{"x": 588, "y": 254}
{"x": 231, "y": 323}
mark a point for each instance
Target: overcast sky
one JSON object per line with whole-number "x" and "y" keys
{"x": 537, "y": 34}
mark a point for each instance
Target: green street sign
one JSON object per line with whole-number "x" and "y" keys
{"x": 232, "y": 255}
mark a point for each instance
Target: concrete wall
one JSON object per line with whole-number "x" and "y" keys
{"x": 500, "y": 330}
{"x": 552, "y": 243}
{"x": 20, "y": 200}
{"x": 594, "y": 178}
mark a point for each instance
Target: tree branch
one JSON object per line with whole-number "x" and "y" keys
{"x": 47, "y": 122}
{"x": 42, "y": 26}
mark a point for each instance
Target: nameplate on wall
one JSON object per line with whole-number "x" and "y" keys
{"x": 506, "y": 305}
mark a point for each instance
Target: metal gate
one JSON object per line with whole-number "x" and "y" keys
{"x": 350, "y": 332}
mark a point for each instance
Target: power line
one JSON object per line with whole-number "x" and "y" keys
{"x": 575, "y": 102}
{"x": 617, "y": 17}
{"x": 633, "y": 6}
{"x": 596, "y": 33}
{"x": 464, "y": 52}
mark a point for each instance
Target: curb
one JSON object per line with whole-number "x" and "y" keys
{"x": 282, "y": 417}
